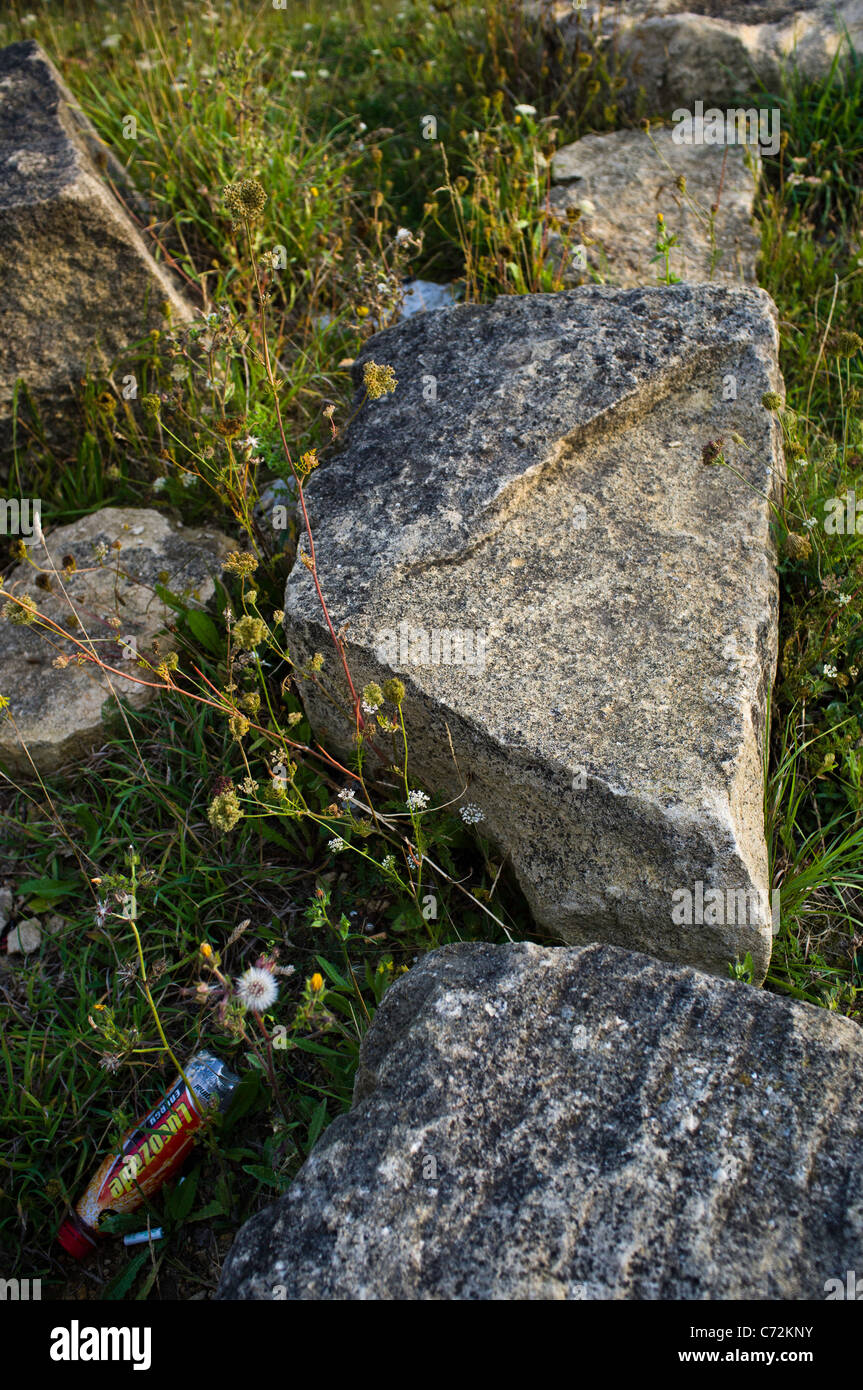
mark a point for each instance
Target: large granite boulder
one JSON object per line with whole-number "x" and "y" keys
{"x": 78, "y": 282}
{"x": 678, "y": 52}
{"x": 675, "y": 52}
{"x": 531, "y": 1123}
{"x": 100, "y": 576}
{"x": 531, "y": 534}
{"x": 619, "y": 182}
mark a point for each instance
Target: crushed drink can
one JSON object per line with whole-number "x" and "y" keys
{"x": 152, "y": 1151}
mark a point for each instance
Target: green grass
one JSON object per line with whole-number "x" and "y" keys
{"x": 345, "y": 164}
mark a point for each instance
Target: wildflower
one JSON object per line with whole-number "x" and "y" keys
{"x": 249, "y": 632}
{"x": 845, "y": 343}
{"x": 403, "y": 236}
{"x": 394, "y": 690}
{"x": 239, "y": 726}
{"x": 299, "y": 74}
{"x": 246, "y": 199}
{"x": 317, "y": 982}
{"x": 206, "y": 950}
{"x": 771, "y": 400}
{"x": 250, "y": 701}
{"x": 810, "y": 522}
{"x": 241, "y": 562}
{"x": 797, "y": 547}
{"x": 841, "y": 599}
{"x": 337, "y": 844}
{"x": 712, "y": 452}
{"x": 307, "y": 463}
{"x": 151, "y": 404}
{"x": 4, "y": 703}
{"x": 110, "y": 1061}
{"x": 160, "y": 484}
{"x": 388, "y": 863}
{"x": 378, "y": 380}
{"x": 346, "y": 794}
{"x": 23, "y": 612}
{"x": 249, "y": 786}
{"x": 101, "y": 912}
{"x": 224, "y": 811}
{"x": 831, "y": 672}
{"x": 417, "y": 801}
{"x": 279, "y": 616}
{"x": 257, "y": 989}
{"x": 373, "y": 697}
{"x": 470, "y": 814}
{"x": 523, "y": 109}
{"x": 251, "y": 441}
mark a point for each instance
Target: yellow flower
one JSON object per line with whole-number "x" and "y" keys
{"x": 206, "y": 950}
{"x": 378, "y": 380}
{"x": 224, "y": 811}
{"x": 317, "y": 982}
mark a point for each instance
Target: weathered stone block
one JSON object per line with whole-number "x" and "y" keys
{"x": 78, "y": 283}
{"x": 621, "y": 181}
{"x": 675, "y": 52}
{"x": 109, "y": 606}
{"x": 532, "y": 1123}
{"x": 584, "y": 610}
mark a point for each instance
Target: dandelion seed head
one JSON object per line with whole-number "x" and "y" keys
{"x": 257, "y": 989}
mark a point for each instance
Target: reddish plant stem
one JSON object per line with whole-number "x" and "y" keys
{"x": 312, "y": 567}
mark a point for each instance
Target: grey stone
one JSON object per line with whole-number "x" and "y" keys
{"x": 616, "y": 597}
{"x": 109, "y": 601}
{"x": 78, "y": 282}
{"x": 619, "y": 182}
{"x": 676, "y": 52}
{"x": 531, "y": 1123}
{"x": 25, "y": 938}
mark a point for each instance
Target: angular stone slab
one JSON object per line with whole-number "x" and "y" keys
{"x": 620, "y": 181}
{"x": 78, "y": 282}
{"x": 532, "y": 1123}
{"x": 677, "y": 52}
{"x": 616, "y": 597}
{"x": 58, "y": 712}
